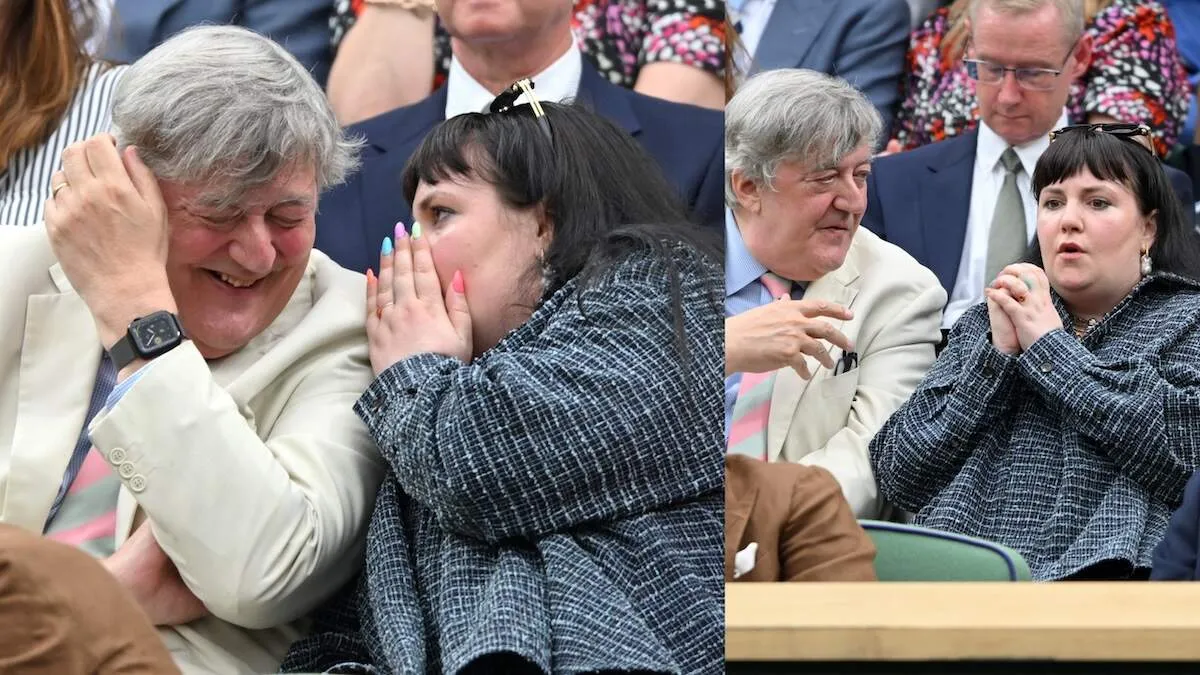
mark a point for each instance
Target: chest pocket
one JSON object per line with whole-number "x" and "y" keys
{"x": 840, "y": 387}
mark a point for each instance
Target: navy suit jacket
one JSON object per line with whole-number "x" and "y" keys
{"x": 1175, "y": 558}
{"x": 355, "y": 217}
{"x": 860, "y": 41}
{"x": 301, "y": 26}
{"x": 919, "y": 201}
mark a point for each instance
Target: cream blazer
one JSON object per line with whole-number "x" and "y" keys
{"x": 829, "y": 421}
{"x": 254, "y": 470}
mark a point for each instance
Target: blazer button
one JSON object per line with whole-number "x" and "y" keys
{"x": 116, "y": 456}
{"x": 137, "y": 483}
{"x": 1047, "y": 367}
{"x": 126, "y": 470}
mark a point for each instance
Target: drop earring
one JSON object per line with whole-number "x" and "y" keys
{"x": 547, "y": 273}
{"x": 1147, "y": 267}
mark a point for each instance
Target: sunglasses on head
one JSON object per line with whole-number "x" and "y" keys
{"x": 507, "y": 100}
{"x": 1123, "y": 130}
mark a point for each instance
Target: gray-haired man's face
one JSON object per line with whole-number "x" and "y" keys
{"x": 803, "y": 228}
{"x": 233, "y": 270}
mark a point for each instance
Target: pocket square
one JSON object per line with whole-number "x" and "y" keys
{"x": 743, "y": 561}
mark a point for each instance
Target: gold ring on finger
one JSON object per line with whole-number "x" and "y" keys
{"x": 54, "y": 191}
{"x": 379, "y": 310}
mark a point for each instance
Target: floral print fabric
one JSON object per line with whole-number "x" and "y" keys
{"x": 1135, "y": 76}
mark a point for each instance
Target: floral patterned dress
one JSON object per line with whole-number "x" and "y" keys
{"x": 618, "y": 37}
{"x": 1135, "y": 76}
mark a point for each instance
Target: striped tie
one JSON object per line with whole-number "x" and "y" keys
{"x": 748, "y": 425}
{"x": 84, "y": 513}
{"x": 87, "y": 518}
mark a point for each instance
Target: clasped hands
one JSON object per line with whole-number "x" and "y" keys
{"x": 781, "y": 334}
{"x": 1020, "y": 309}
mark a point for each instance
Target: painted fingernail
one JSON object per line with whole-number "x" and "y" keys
{"x": 400, "y": 231}
{"x": 416, "y": 230}
{"x": 370, "y": 275}
{"x": 387, "y": 246}
{"x": 457, "y": 282}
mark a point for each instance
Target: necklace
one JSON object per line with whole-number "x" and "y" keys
{"x": 1082, "y": 325}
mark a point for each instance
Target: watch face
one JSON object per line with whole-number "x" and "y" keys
{"x": 155, "y": 332}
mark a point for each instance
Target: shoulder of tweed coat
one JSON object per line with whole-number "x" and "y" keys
{"x": 559, "y": 498}
{"x": 1074, "y": 452}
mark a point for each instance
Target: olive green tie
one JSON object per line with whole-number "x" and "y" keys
{"x": 1007, "y": 239}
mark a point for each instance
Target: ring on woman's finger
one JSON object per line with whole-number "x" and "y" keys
{"x": 379, "y": 310}
{"x": 56, "y": 188}
{"x": 1028, "y": 282}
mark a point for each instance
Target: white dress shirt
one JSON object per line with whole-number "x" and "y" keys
{"x": 752, "y": 16}
{"x": 986, "y": 182}
{"x": 560, "y": 81}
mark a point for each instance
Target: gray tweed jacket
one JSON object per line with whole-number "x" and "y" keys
{"x": 1074, "y": 452}
{"x": 555, "y": 506}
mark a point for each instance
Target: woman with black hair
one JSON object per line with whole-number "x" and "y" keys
{"x": 1061, "y": 419}
{"x": 548, "y": 348}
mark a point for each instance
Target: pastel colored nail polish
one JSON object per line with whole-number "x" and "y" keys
{"x": 401, "y": 233}
{"x": 387, "y": 246}
{"x": 416, "y": 230}
{"x": 457, "y": 282}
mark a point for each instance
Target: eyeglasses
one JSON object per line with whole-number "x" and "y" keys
{"x": 507, "y": 100}
{"x": 1033, "y": 79}
{"x": 1123, "y": 130}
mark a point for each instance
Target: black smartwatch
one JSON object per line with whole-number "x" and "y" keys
{"x": 148, "y": 336}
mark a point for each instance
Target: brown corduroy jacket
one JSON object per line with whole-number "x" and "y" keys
{"x": 804, "y": 529}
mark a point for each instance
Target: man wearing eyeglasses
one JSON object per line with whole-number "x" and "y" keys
{"x": 495, "y": 44}
{"x": 964, "y": 207}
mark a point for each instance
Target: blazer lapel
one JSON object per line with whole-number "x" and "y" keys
{"x": 839, "y": 287}
{"x": 944, "y": 206}
{"x": 607, "y": 100}
{"x": 791, "y": 31}
{"x": 392, "y": 144}
{"x": 53, "y": 400}
{"x": 739, "y": 502}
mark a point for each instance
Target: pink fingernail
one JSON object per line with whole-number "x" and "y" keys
{"x": 457, "y": 282}
{"x": 401, "y": 233}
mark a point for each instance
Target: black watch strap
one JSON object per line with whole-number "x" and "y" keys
{"x": 122, "y": 353}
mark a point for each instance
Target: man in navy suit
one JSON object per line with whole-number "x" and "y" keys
{"x": 860, "y": 41}
{"x": 940, "y": 202}
{"x": 496, "y": 44}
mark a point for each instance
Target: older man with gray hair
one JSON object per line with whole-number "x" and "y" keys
{"x": 179, "y": 366}
{"x": 828, "y": 329}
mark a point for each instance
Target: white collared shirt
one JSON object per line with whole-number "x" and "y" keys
{"x": 560, "y": 81}
{"x": 752, "y": 16}
{"x": 986, "y": 182}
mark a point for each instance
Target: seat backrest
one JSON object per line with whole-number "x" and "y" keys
{"x": 914, "y": 553}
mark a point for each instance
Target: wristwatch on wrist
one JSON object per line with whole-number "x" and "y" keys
{"x": 148, "y": 336}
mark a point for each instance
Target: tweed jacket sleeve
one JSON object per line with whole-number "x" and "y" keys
{"x": 926, "y": 442}
{"x": 1142, "y": 414}
{"x": 558, "y": 425}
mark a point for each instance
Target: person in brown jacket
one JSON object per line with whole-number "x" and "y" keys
{"x": 63, "y": 613}
{"x": 790, "y": 522}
